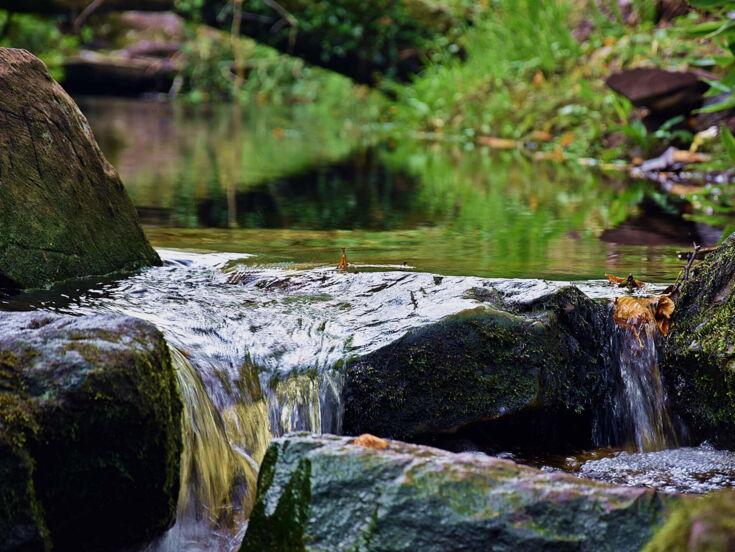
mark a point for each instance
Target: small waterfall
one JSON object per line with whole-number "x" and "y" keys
{"x": 223, "y": 448}
{"x": 219, "y": 463}
{"x": 644, "y": 406}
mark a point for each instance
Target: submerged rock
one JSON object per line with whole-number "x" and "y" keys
{"x": 698, "y": 361}
{"x": 538, "y": 371}
{"x": 328, "y": 493}
{"x": 64, "y": 212}
{"x": 90, "y": 429}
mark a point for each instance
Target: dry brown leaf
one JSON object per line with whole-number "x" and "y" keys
{"x": 635, "y": 313}
{"x": 567, "y": 139}
{"x": 343, "y": 262}
{"x": 625, "y": 282}
{"x": 498, "y": 143}
{"x": 541, "y": 136}
{"x": 371, "y": 441}
{"x": 555, "y": 155}
{"x": 687, "y": 157}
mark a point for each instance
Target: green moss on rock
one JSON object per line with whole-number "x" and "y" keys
{"x": 100, "y": 395}
{"x": 326, "y": 493}
{"x": 698, "y": 362}
{"x": 703, "y": 525}
{"x": 551, "y": 360}
{"x": 64, "y": 211}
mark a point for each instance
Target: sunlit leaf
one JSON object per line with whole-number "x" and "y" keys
{"x": 625, "y": 282}
{"x": 370, "y": 441}
{"x": 343, "y": 262}
{"x": 635, "y": 313}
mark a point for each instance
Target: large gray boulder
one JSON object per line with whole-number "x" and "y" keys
{"x": 330, "y": 493}
{"x": 90, "y": 432}
{"x": 698, "y": 363}
{"x": 64, "y": 212}
{"x": 547, "y": 369}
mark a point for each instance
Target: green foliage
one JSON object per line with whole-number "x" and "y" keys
{"x": 719, "y": 27}
{"x": 728, "y": 142}
{"x": 38, "y": 35}
{"x": 361, "y": 36}
{"x": 270, "y": 78}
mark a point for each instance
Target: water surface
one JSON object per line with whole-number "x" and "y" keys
{"x": 294, "y": 186}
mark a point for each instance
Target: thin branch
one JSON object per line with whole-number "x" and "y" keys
{"x": 86, "y": 12}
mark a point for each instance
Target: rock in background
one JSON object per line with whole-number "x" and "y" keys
{"x": 64, "y": 212}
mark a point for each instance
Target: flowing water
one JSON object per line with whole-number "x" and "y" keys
{"x": 643, "y": 408}
{"x": 258, "y": 340}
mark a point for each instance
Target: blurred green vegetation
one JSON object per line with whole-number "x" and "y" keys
{"x": 39, "y": 35}
{"x": 524, "y": 70}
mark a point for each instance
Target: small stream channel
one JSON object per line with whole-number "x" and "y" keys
{"x": 257, "y": 352}
{"x": 257, "y": 340}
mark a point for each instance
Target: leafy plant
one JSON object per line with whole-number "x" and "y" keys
{"x": 720, "y": 28}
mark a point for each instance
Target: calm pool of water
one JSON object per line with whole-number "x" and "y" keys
{"x": 294, "y": 187}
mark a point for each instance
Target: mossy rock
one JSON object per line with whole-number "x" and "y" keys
{"x": 550, "y": 365}
{"x": 698, "y": 361}
{"x": 22, "y": 524}
{"x": 328, "y": 493}
{"x": 64, "y": 211}
{"x": 703, "y": 525}
{"x": 101, "y": 398}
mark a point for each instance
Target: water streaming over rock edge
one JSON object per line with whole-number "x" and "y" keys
{"x": 258, "y": 353}
{"x": 642, "y": 409}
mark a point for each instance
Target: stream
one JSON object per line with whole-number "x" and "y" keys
{"x": 259, "y": 320}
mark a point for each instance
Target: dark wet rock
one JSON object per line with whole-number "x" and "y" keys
{"x": 89, "y": 429}
{"x": 698, "y": 361}
{"x": 22, "y": 525}
{"x": 64, "y": 212}
{"x": 326, "y": 493}
{"x": 668, "y": 10}
{"x": 699, "y": 526}
{"x": 143, "y": 69}
{"x": 547, "y": 363}
{"x": 665, "y": 94}
{"x": 67, "y": 7}
{"x": 657, "y": 89}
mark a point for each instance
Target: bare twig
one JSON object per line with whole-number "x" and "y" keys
{"x": 286, "y": 16}
{"x": 237, "y": 51}
{"x": 684, "y": 276}
{"x": 85, "y": 13}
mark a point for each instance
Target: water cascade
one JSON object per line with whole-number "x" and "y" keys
{"x": 643, "y": 407}
{"x": 259, "y": 352}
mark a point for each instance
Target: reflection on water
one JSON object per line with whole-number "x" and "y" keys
{"x": 295, "y": 187}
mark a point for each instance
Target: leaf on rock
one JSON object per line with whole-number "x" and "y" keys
{"x": 370, "y": 441}
{"x": 628, "y": 282}
{"x": 343, "y": 262}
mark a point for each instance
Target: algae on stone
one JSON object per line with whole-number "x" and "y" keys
{"x": 329, "y": 493}
{"x": 64, "y": 212}
{"x": 698, "y": 363}
{"x": 549, "y": 361}
{"x": 90, "y": 411}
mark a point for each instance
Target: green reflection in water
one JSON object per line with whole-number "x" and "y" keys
{"x": 293, "y": 187}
